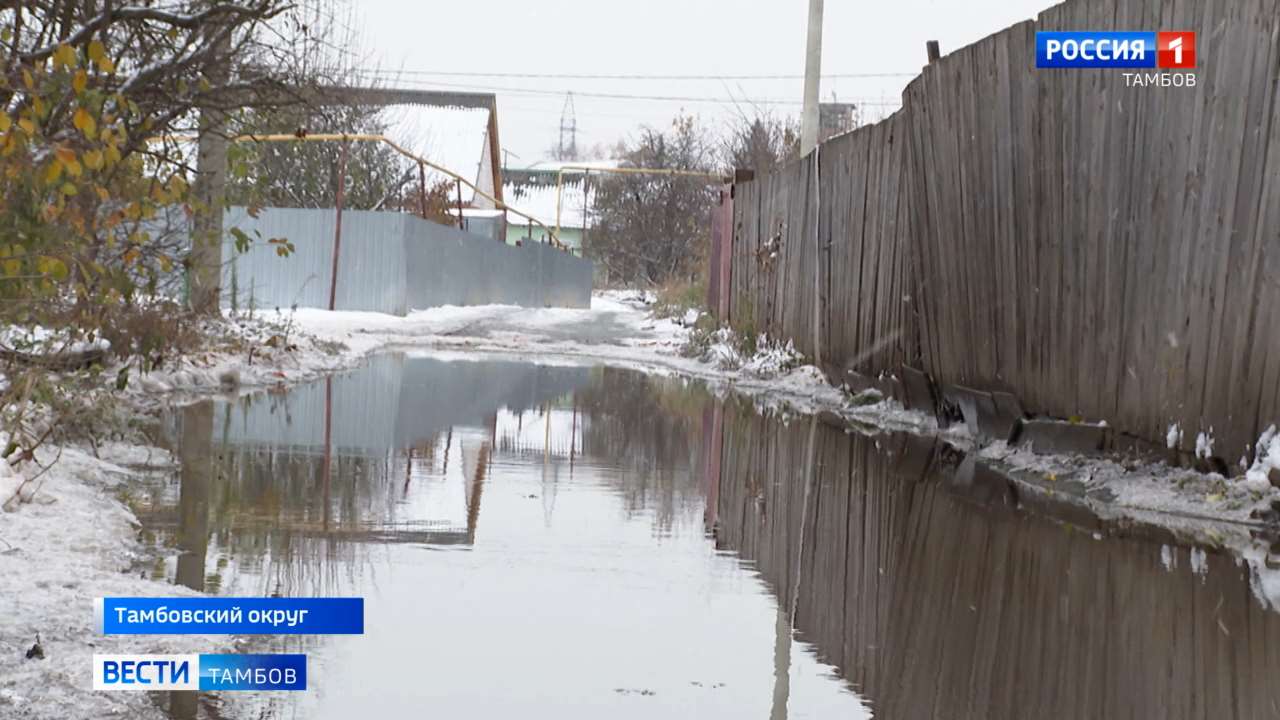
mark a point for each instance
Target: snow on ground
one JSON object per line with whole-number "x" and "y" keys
{"x": 73, "y": 542}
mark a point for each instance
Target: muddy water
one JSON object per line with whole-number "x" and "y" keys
{"x": 537, "y": 541}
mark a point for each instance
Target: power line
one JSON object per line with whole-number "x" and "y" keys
{"x": 560, "y": 93}
{"x": 626, "y": 76}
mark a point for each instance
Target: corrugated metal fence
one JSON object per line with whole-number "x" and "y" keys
{"x": 1098, "y": 250}
{"x": 391, "y": 262}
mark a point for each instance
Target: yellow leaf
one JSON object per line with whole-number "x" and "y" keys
{"x": 73, "y": 168}
{"x": 79, "y": 82}
{"x": 12, "y": 267}
{"x": 54, "y": 171}
{"x": 105, "y": 65}
{"x": 27, "y": 80}
{"x": 103, "y": 195}
{"x": 85, "y": 123}
{"x": 53, "y": 266}
{"x": 93, "y": 159}
{"x": 129, "y": 256}
{"x": 5, "y": 122}
{"x": 69, "y": 189}
{"x": 27, "y": 126}
{"x": 96, "y": 51}
{"x": 64, "y": 56}
{"x": 165, "y": 263}
{"x": 113, "y": 154}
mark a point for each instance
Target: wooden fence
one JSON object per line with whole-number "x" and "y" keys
{"x": 1098, "y": 250}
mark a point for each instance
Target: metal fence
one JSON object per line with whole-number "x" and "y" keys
{"x": 391, "y": 262}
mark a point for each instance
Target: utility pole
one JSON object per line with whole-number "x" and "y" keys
{"x": 205, "y": 273}
{"x": 812, "y": 72}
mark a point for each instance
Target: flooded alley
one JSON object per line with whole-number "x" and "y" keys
{"x": 579, "y": 541}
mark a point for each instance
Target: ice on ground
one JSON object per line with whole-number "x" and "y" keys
{"x": 1173, "y": 437}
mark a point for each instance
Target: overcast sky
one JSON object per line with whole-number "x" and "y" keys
{"x": 661, "y": 37}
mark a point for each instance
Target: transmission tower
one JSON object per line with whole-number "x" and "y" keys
{"x": 568, "y": 130}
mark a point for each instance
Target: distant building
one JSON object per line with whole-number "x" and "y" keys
{"x": 533, "y": 190}
{"x": 835, "y": 119}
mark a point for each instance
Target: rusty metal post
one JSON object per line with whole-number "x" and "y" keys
{"x": 422, "y": 188}
{"x": 337, "y": 226}
{"x": 458, "y": 185}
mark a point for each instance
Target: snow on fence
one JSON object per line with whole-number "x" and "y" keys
{"x": 1094, "y": 249}
{"x": 391, "y": 262}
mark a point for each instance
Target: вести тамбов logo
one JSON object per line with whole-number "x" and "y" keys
{"x": 1170, "y": 57}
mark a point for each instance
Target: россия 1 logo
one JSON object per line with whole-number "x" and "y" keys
{"x": 1119, "y": 49}
{"x": 1122, "y": 49}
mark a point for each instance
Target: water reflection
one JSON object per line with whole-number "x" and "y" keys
{"x": 938, "y": 592}
{"x": 549, "y": 519}
{"x": 538, "y": 541}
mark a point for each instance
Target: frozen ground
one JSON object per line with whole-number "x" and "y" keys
{"x": 69, "y": 537}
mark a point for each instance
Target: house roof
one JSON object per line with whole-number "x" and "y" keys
{"x": 539, "y": 200}
{"x": 452, "y": 137}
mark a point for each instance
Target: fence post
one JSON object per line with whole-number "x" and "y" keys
{"x": 337, "y": 226}
{"x": 458, "y": 185}
{"x": 422, "y": 188}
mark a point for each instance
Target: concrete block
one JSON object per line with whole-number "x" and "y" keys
{"x": 1053, "y": 436}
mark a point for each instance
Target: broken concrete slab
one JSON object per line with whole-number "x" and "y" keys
{"x": 917, "y": 390}
{"x": 983, "y": 416}
{"x": 1010, "y": 413}
{"x": 1058, "y": 436}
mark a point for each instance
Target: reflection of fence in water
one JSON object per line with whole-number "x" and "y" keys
{"x": 308, "y": 479}
{"x": 542, "y": 432}
{"x": 939, "y": 602}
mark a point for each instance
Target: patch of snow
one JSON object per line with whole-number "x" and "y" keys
{"x": 39, "y": 339}
{"x": 1173, "y": 437}
{"x": 1204, "y": 444}
{"x": 772, "y": 358}
{"x": 74, "y": 541}
{"x": 1266, "y": 458}
{"x": 1168, "y": 558}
